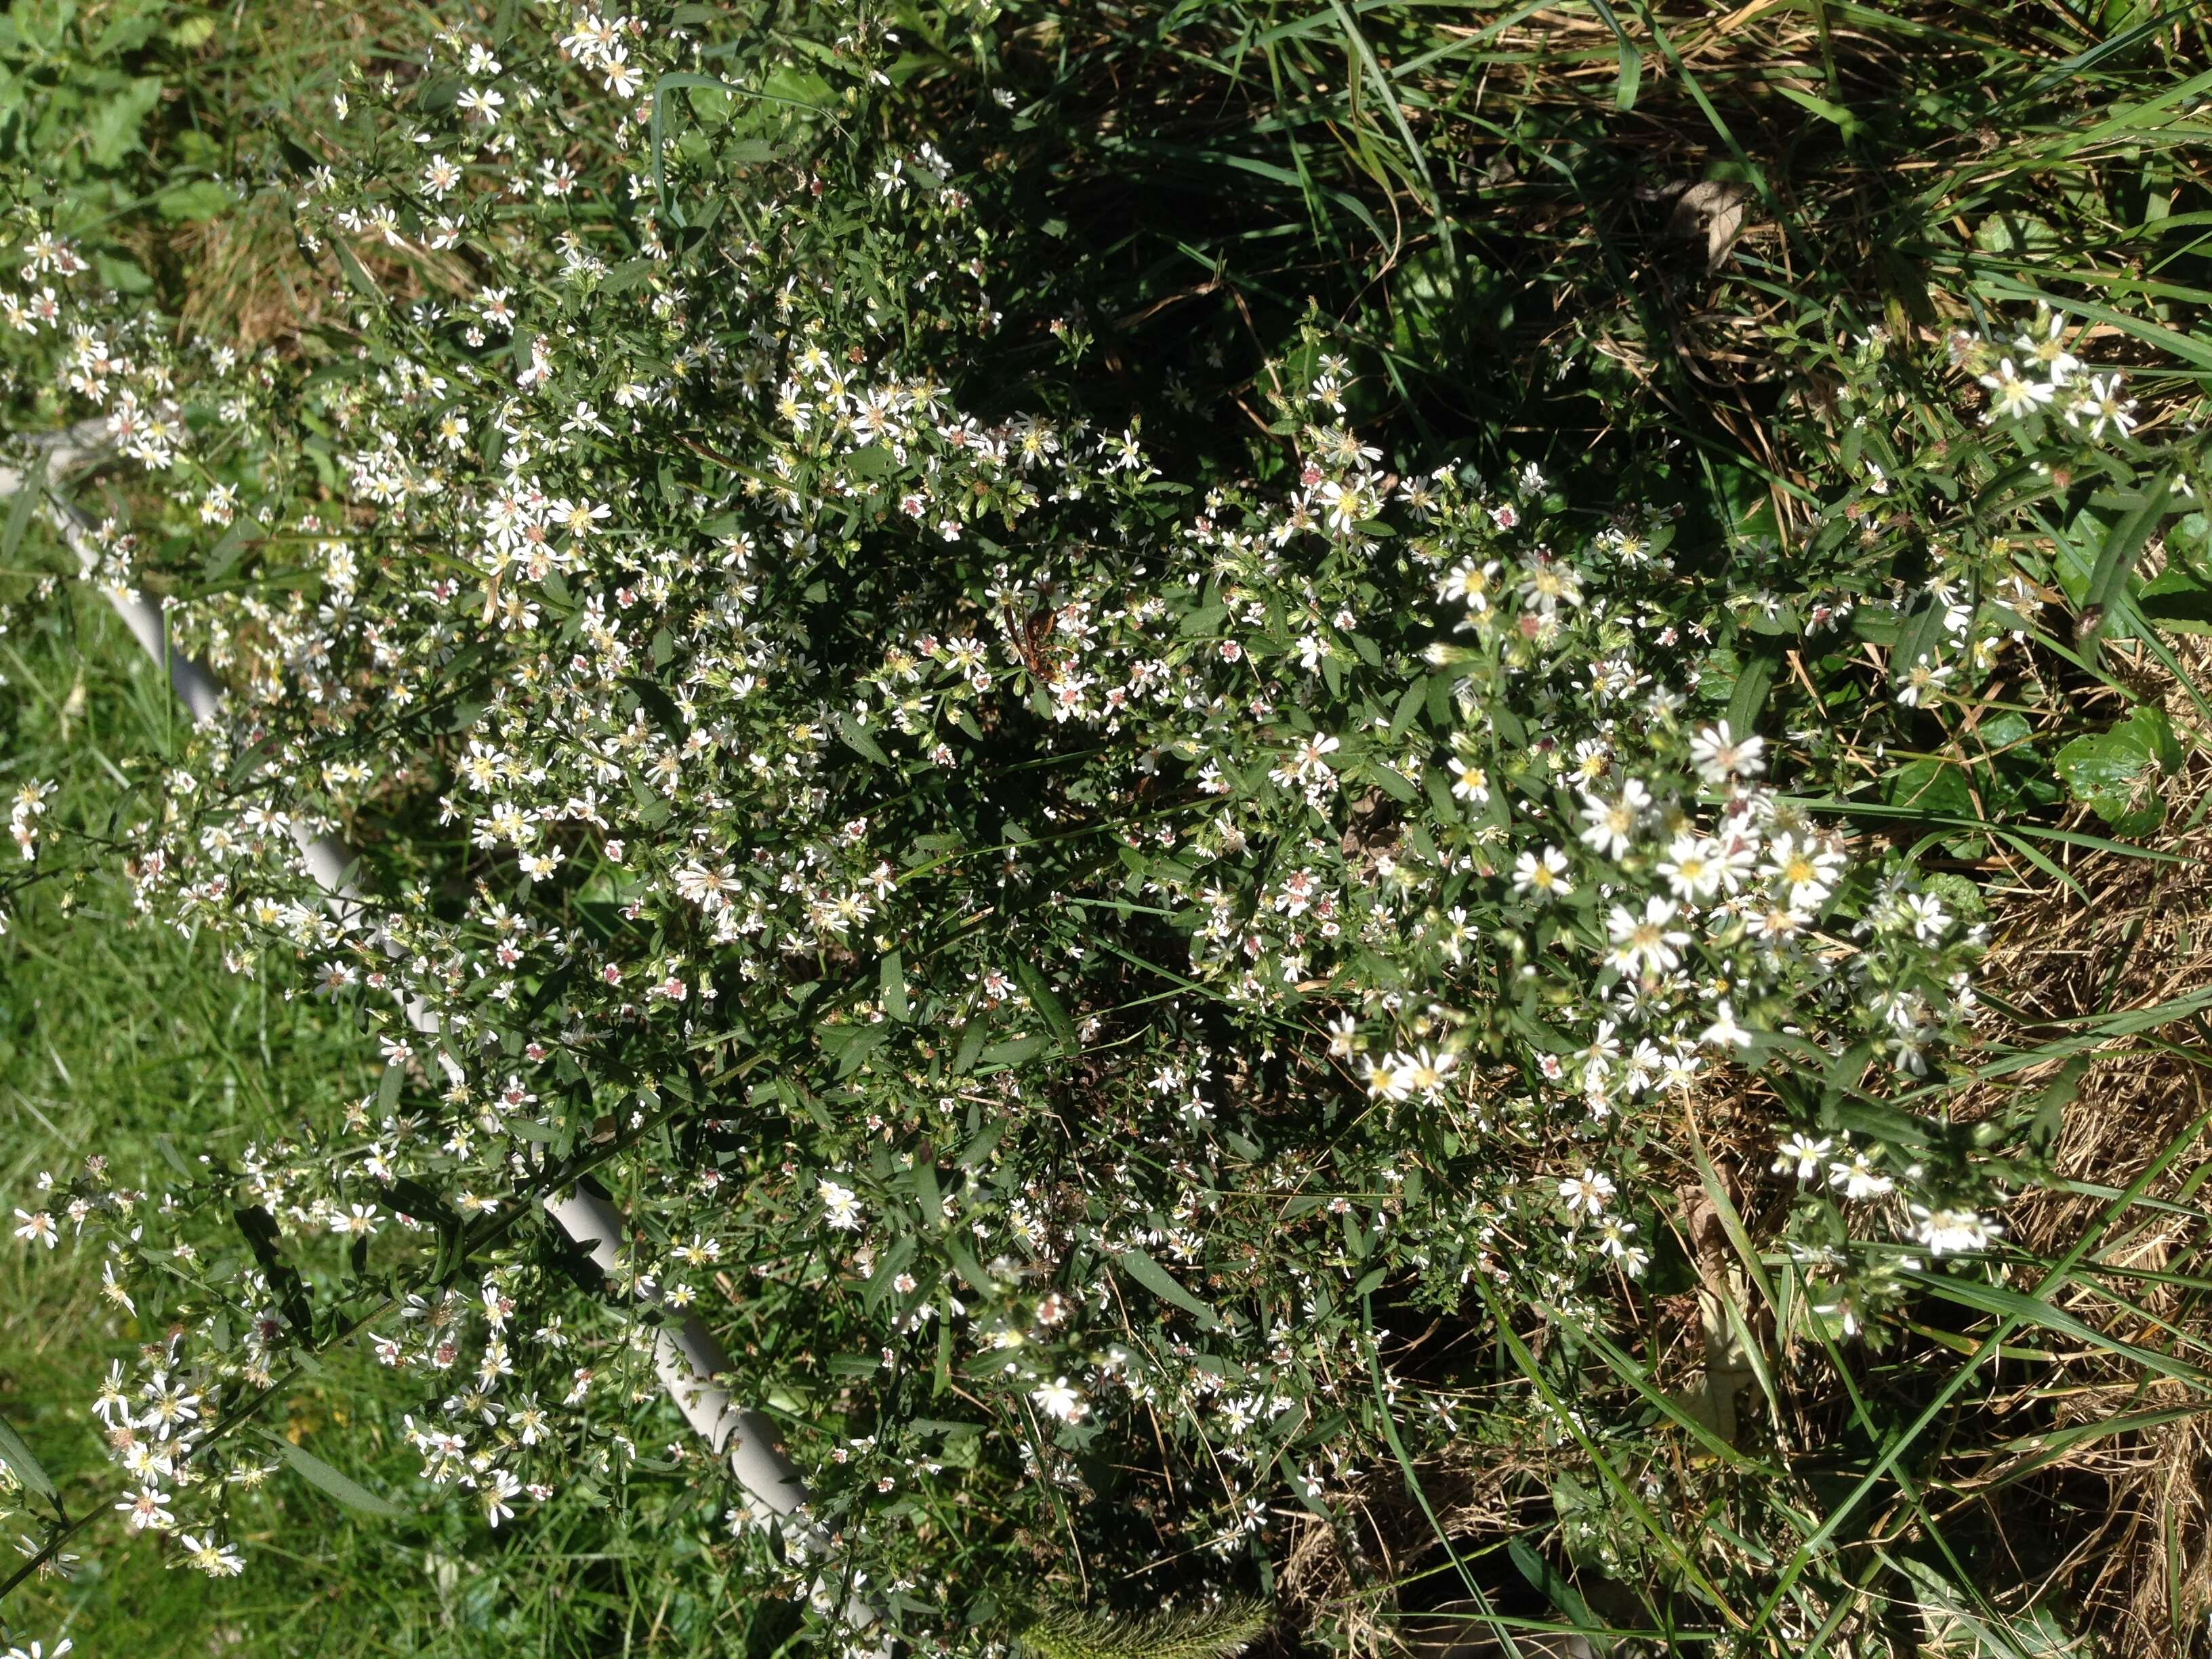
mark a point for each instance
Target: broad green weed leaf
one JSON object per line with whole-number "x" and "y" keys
{"x": 2119, "y": 772}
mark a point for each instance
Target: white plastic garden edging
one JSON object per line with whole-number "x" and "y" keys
{"x": 685, "y": 1352}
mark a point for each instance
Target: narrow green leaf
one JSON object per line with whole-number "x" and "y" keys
{"x": 174, "y": 1158}
{"x": 963, "y": 1261}
{"x": 2187, "y": 347}
{"x": 1623, "y": 1489}
{"x": 1753, "y": 682}
{"x": 857, "y": 1047}
{"x": 627, "y": 275}
{"x": 17, "y": 1456}
{"x": 1393, "y": 782}
{"x": 971, "y": 1044}
{"x": 1561, "y": 1594}
{"x": 30, "y": 489}
{"x": 2020, "y": 1308}
{"x": 258, "y": 1228}
{"x": 928, "y": 1193}
{"x": 858, "y": 739}
{"x": 1047, "y": 1000}
{"x": 224, "y": 556}
{"x": 1845, "y": 120}
{"x": 348, "y": 1491}
{"x": 1632, "y": 61}
{"x": 1409, "y": 705}
{"x": 1012, "y": 1051}
{"x": 1163, "y": 1284}
{"x": 1419, "y": 1490}
{"x": 979, "y": 1148}
{"x": 2117, "y": 559}
{"x": 356, "y": 274}
{"x": 1920, "y": 634}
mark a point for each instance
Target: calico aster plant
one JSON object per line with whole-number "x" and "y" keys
{"x": 1067, "y": 948}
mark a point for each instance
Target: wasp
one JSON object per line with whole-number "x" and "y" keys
{"x": 1032, "y": 637}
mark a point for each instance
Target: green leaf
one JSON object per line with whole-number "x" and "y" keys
{"x": 1632, "y": 61}
{"x": 17, "y": 1456}
{"x": 2011, "y": 232}
{"x": 799, "y": 88}
{"x": 1013, "y": 1052}
{"x": 357, "y": 276}
{"x": 1557, "y": 1591}
{"x": 857, "y": 1045}
{"x": 348, "y": 1491}
{"x": 1047, "y": 1000}
{"x": 857, "y": 739}
{"x": 1202, "y": 622}
{"x": 871, "y": 461}
{"x": 1920, "y": 634}
{"x": 2176, "y": 602}
{"x": 1931, "y": 786}
{"x": 894, "y": 983}
{"x": 1163, "y": 1284}
{"x": 964, "y": 1263}
{"x": 112, "y": 132}
{"x": 2017, "y": 1306}
{"x": 1409, "y": 707}
{"x": 1753, "y": 682}
{"x": 1392, "y": 781}
{"x": 971, "y": 1045}
{"x": 174, "y": 1158}
{"x": 2116, "y": 559}
{"x": 1845, "y": 122}
{"x": 977, "y": 1150}
{"x": 629, "y": 274}
{"x": 226, "y": 555}
{"x": 193, "y": 204}
{"x": 124, "y": 276}
{"x": 653, "y": 698}
{"x": 2116, "y": 773}
{"x": 894, "y": 1262}
{"x": 29, "y": 491}
{"x": 259, "y": 1228}
{"x": 928, "y": 1193}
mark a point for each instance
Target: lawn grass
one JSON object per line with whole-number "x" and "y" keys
{"x": 116, "y": 1036}
{"x": 122, "y": 1039}
{"x": 116, "y": 1033}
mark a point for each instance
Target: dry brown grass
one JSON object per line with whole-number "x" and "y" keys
{"x": 2137, "y": 934}
{"x": 254, "y": 286}
{"x": 1356, "y": 1579}
{"x": 242, "y": 278}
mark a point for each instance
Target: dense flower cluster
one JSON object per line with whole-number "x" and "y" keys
{"x": 1054, "y": 947}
